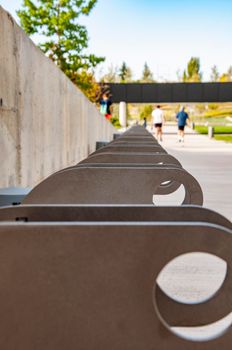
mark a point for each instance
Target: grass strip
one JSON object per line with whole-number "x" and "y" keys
{"x": 226, "y": 138}
{"x": 217, "y": 129}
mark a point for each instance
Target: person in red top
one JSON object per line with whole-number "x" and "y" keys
{"x": 106, "y": 107}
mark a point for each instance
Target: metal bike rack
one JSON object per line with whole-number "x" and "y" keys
{"x": 80, "y": 257}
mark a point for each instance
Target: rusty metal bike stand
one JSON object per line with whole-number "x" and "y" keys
{"x": 93, "y": 285}
{"x": 132, "y": 158}
{"x": 132, "y": 185}
{"x": 80, "y": 257}
{"x": 131, "y": 148}
{"x": 122, "y": 213}
{"x": 165, "y": 188}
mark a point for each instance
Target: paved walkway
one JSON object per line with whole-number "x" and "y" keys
{"x": 209, "y": 161}
{"x": 196, "y": 277}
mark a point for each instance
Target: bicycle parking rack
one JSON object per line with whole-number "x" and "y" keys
{"x": 81, "y": 255}
{"x": 105, "y": 182}
{"x": 132, "y": 158}
{"x": 147, "y": 213}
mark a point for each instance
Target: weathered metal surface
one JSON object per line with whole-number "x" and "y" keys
{"x": 84, "y": 276}
{"x": 89, "y": 213}
{"x": 120, "y": 185}
{"x": 126, "y": 142}
{"x": 141, "y": 138}
{"x": 136, "y": 138}
{"x": 164, "y": 188}
{"x": 132, "y": 158}
{"x": 131, "y": 148}
{"x": 137, "y": 130}
{"x": 92, "y": 285}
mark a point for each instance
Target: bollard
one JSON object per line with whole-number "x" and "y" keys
{"x": 116, "y": 136}
{"x": 100, "y": 144}
{"x": 210, "y": 131}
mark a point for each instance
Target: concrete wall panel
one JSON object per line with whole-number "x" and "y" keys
{"x": 46, "y": 122}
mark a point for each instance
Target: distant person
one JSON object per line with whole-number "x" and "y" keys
{"x": 145, "y": 122}
{"x": 158, "y": 121}
{"x": 106, "y": 107}
{"x": 182, "y": 119}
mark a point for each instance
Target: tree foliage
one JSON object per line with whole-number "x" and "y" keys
{"x": 86, "y": 81}
{"x": 125, "y": 73}
{"x": 147, "y": 75}
{"x": 146, "y": 111}
{"x": 214, "y": 77}
{"x": 185, "y": 78}
{"x": 64, "y": 39}
{"x": 193, "y": 74}
{"x": 226, "y": 77}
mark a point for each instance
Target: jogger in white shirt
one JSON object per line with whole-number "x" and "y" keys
{"x": 158, "y": 120}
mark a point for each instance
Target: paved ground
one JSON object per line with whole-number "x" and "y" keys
{"x": 209, "y": 161}
{"x": 197, "y": 276}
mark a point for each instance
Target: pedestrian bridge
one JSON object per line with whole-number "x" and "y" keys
{"x": 170, "y": 92}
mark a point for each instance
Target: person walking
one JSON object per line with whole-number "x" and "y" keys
{"x": 106, "y": 106}
{"x": 158, "y": 120}
{"x": 182, "y": 119}
{"x": 145, "y": 122}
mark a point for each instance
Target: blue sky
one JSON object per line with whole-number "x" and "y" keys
{"x": 163, "y": 33}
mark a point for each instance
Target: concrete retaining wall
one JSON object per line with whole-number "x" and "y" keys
{"x": 46, "y": 123}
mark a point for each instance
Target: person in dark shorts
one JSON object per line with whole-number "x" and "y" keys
{"x": 158, "y": 121}
{"x": 182, "y": 119}
{"x": 145, "y": 122}
{"x": 106, "y": 106}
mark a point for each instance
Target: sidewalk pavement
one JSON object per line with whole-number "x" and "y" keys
{"x": 209, "y": 161}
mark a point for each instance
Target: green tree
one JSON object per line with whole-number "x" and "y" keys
{"x": 214, "y": 74}
{"x": 226, "y": 77}
{"x": 146, "y": 111}
{"x": 185, "y": 78}
{"x": 147, "y": 75}
{"x": 87, "y": 83}
{"x": 125, "y": 73}
{"x": 193, "y": 69}
{"x": 193, "y": 73}
{"x": 63, "y": 38}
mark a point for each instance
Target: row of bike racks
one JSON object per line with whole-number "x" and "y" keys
{"x": 81, "y": 255}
